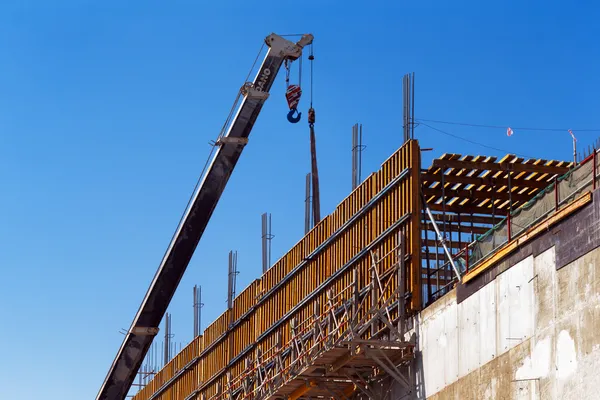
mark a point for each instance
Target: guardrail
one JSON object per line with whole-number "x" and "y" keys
{"x": 547, "y": 202}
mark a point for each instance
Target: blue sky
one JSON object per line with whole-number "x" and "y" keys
{"x": 106, "y": 111}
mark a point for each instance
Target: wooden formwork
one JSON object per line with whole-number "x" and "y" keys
{"x": 469, "y": 195}
{"x": 180, "y": 374}
{"x": 336, "y": 254}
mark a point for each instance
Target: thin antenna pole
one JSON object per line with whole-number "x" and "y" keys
{"x": 408, "y": 95}
{"x": 307, "y": 205}
{"x": 359, "y": 150}
{"x": 166, "y": 348}
{"x": 412, "y": 107}
{"x": 235, "y": 273}
{"x": 404, "y": 108}
{"x": 267, "y": 236}
{"x": 264, "y": 242}
{"x": 232, "y": 278}
{"x": 354, "y": 140}
{"x": 229, "y": 281}
{"x": 197, "y": 310}
{"x": 195, "y": 307}
{"x": 200, "y": 305}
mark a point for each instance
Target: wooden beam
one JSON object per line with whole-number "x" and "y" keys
{"x": 520, "y": 183}
{"x": 502, "y": 166}
{"x": 300, "y": 391}
{"x": 470, "y": 208}
{"x": 454, "y": 244}
{"x": 478, "y": 230}
{"x": 475, "y": 194}
{"x": 465, "y": 219}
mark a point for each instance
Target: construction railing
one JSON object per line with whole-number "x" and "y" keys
{"x": 349, "y": 316}
{"x": 547, "y": 202}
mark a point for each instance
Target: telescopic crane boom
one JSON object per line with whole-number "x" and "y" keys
{"x": 144, "y": 327}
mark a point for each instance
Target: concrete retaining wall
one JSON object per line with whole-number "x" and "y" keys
{"x": 531, "y": 333}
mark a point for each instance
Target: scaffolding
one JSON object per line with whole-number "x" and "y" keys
{"x": 537, "y": 196}
{"x": 465, "y": 198}
{"x": 333, "y": 317}
{"x": 349, "y": 347}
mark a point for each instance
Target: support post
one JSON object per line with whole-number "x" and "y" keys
{"x": 473, "y": 226}
{"x": 316, "y": 324}
{"x": 279, "y": 359}
{"x": 459, "y": 232}
{"x": 509, "y": 191}
{"x": 294, "y": 353}
{"x": 355, "y": 298}
{"x": 258, "y": 377}
{"x": 574, "y": 151}
{"x": 426, "y": 235}
{"x": 229, "y": 392}
{"x": 373, "y": 296}
{"x": 594, "y": 169}
{"x": 494, "y": 214}
{"x": 246, "y": 382}
{"x": 556, "y": 193}
{"x": 429, "y": 291}
{"x": 509, "y": 226}
{"x": 401, "y": 285}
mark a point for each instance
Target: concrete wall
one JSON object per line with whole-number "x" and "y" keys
{"x": 531, "y": 333}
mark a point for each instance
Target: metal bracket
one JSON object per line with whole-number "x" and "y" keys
{"x": 144, "y": 331}
{"x": 251, "y": 92}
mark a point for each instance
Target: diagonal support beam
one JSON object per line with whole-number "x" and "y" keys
{"x": 392, "y": 371}
{"x": 443, "y": 242}
{"x": 362, "y": 386}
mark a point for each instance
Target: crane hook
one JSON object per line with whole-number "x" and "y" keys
{"x": 294, "y": 119}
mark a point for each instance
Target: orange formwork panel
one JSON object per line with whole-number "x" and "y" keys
{"x": 342, "y": 246}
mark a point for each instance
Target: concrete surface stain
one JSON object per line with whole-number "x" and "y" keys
{"x": 566, "y": 356}
{"x": 538, "y": 364}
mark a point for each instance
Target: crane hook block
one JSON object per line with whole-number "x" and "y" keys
{"x": 292, "y": 95}
{"x": 294, "y": 118}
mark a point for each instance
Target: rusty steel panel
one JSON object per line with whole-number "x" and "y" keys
{"x": 299, "y": 283}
